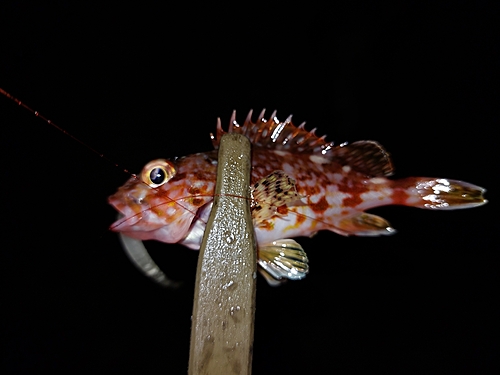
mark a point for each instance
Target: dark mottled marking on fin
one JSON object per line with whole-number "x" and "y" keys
{"x": 270, "y": 194}
{"x": 367, "y": 157}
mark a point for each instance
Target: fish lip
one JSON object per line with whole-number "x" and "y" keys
{"x": 126, "y": 216}
{"x": 123, "y": 221}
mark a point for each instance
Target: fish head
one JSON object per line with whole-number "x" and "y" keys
{"x": 164, "y": 201}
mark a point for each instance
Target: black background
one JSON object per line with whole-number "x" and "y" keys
{"x": 147, "y": 81}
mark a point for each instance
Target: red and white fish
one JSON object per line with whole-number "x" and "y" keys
{"x": 301, "y": 184}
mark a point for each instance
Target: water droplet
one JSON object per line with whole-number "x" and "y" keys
{"x": 234, "y": 310}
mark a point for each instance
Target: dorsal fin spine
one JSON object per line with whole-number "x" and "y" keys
{"x": 273, "y": 117}
{"x": 232, "y": 121}
{"x": 248, "y": 120}
{"x": 261, "y": 115}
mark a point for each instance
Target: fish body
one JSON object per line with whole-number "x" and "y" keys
{"x": 301, "y": 184}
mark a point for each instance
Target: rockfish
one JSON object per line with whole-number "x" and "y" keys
{"x": 301, "y": 184}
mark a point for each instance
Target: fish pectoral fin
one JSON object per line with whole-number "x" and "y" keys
{"x": 365, "y": 224}
{"x": 282, "y": 260}
{"x": 262, "y": 213}
{"x": 272, "y": 195}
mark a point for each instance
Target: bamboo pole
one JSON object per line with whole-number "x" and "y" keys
{"x": 224, "y": 303}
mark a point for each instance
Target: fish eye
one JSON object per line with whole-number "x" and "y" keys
{"x": 157, "y": 172}
{"x": 157, "y": 175}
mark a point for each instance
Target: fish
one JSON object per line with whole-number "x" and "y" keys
{"x": 300, "y": 184}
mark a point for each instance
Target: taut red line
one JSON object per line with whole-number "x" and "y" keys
{"x": 37, "y": 114}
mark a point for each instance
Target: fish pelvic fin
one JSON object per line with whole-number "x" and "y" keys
{"x": 438, "y": 193}
{"x": 282, "y": 260}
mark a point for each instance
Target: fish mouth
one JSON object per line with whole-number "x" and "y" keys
{"x": 143, "y": 223}
{"x": 125, "y": 217}
{"x": 197, "y": 228}
{"x": 124, "y": 223}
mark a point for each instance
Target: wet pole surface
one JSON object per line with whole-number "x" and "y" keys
{"x": 224, "y": 302}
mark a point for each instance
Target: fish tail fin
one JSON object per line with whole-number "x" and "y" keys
{"x": 438, "y": 193}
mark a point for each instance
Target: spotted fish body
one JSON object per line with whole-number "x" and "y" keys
{"x": 301, "y": 184}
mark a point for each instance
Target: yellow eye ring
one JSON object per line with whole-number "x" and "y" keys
{"x": 157, "y": 172}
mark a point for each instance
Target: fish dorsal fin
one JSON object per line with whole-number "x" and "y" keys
{"x": 275, "y": 134}
{"x": 367, "y": 157}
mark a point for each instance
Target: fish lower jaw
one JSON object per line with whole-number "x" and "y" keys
{"x": 124, "y": 222}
